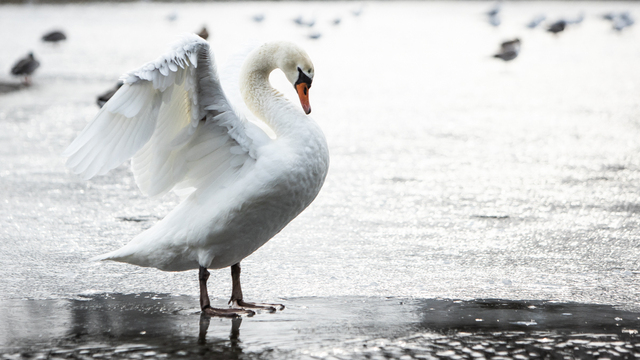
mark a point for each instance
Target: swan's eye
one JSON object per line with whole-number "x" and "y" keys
{"x": 303, "y": 78}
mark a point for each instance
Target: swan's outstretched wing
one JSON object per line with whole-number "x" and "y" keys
{"x": 174, "y": 119}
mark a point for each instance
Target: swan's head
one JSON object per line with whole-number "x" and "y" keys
{"x": 298, "y": 68}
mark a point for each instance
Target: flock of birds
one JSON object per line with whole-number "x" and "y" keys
{"x": 510, "y": 49}
{"x": 27, "y": 65}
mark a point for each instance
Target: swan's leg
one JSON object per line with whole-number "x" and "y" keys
{"x": 236, "y": 294}
{"x": 205, "y": 304}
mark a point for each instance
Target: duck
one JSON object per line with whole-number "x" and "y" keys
{"x": 557, "y": 26}
{"x": 54, "y": 36}
{"x": 25, "y": 67}
{"x": 240, "y": 186}
{"x": 509, "y": 50}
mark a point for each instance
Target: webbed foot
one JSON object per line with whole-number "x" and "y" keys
{"x": 258, "y": 306}
{"x": 230, "y": 313}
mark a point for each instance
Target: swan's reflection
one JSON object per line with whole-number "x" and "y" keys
{"x": 234, "y": 335}
{"x": 138, "y": 323}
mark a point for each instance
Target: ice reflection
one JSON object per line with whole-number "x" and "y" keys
{"x": 233, "y": 347}
{"x": 116, "y": 326}
{"x": 508, "y": 315}
{"x": 505, "y": 329}
{"x": 165, "y": 326}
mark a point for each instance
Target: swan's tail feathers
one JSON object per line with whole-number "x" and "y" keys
{"x": 116, "y": 255}
{"x": 99, "y": 257}
{"x": 153, "y": 248}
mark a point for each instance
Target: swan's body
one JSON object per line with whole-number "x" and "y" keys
{"x": 241, "y": 186}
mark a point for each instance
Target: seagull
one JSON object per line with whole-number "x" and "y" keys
{"x": 25, "y": 67}
{"x": 258, "y": 17}
{"x": 511, "y": 45}
{"x": 536, "y": 21}
{"x": 619, "y": 20}
{"x": 240, "y": 187}
{"x": 303, "y": 22}
{"x": 557, "y": 26}
{"x": 495, "y": 10}
{"x": 493, "y": 14}
{"x": 315, "y": 35}
{"x": 54, "y": 36}
{"x": 102, "y": 99}
{"x": 509, "y": 50}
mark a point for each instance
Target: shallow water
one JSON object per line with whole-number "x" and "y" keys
{"x": 453, "y": 176}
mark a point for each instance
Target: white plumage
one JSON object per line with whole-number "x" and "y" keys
{"x": 241, "y": 187}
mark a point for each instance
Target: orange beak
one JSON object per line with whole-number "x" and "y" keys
{"x": 303, "y": 93}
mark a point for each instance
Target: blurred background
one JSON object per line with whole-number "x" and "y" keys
{"x": 479, "y": 149}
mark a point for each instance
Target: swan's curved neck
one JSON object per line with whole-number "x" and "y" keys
{"x": 261, "y": 98}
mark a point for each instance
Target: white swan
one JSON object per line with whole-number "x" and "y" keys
{"x": 173, "y": 119}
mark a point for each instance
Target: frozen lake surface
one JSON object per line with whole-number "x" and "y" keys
{"x": 453, "y": 176}
{"x": 149, "y": 325}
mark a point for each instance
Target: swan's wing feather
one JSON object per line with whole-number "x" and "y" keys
{"x": 171, "y": 115}
{"x": 112, "y": 137}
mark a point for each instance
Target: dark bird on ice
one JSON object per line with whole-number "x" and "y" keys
{"x": 203, "y": 33}
{"x": 25, "y": 67}
{"x": 54, "y": 36}
{"x": 102, "y": 99}
{"x": 509, "y": 50}
{"x": 495, "y": 10}
{"x": 557, "y": 26}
